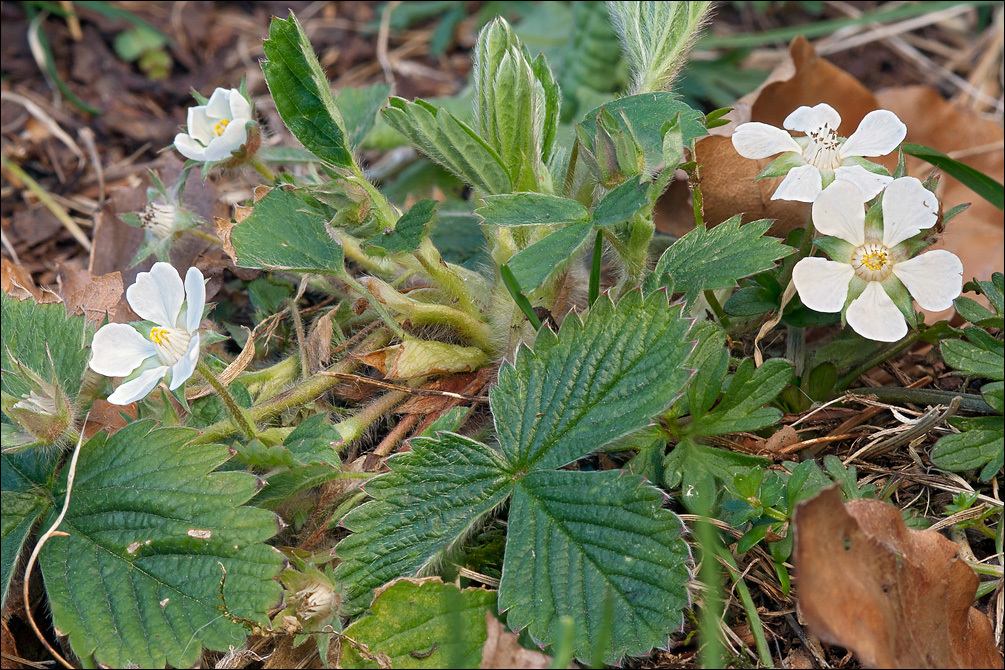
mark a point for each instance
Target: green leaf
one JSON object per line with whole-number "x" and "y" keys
{"x": 359, "y": 108}
{"x": 151, "y": 529}
{"x": 622, "y": 203}
{"x": 978, "y": 182}
{"x": 25, "y": 477}
{"x": 577, "y": 539}
{"x": 742, "y": 406}
{"x": 713, "y": 258}
{"x": 980, "y": 444}
{"x": 994, "y": 395}
{"x": 529, "y": 209}
{"x": 533, "y": 265}
{"x": 450, "y": 142}
{"x": 648, "y": 113}
{"x": 978, "y": 314}
{"x": 434, "y": 496}
{"x": 32, "y": 333}
{"x": 592, "y": 383}
{"x": 983, "y": 358}
{"x": 302, "y": 94}
{"x": 422, "y": 624}
{"x": 281, "y": 234}
{"x": 408, "y": 231}
{"x": 694, "y": 469}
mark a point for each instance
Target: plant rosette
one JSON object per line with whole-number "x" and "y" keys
{"x": 220, "y": 130}
{"x": 165, "y": 345}
{"x": 812, "y": 162}
{"x": 875, "y": 270}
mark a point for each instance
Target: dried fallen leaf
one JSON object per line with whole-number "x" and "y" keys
{"x": 502, "y": 649}
{"x": 97, "y": 297}
{"x": 898, "y": 598}
{"x": 16, "y": 282}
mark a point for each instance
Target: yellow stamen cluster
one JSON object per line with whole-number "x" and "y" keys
{"x": 160, "y": 336}
{"x": 221, "y": 126}
{"x": 872, "y": 262}
{"x": 875, "y": 260}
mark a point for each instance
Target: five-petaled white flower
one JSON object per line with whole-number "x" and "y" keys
{"x": 873, "y": 275}
{"x": 171, "y": 345}
{"x": 217, "y": 129}
{"x": 813, "y": 162}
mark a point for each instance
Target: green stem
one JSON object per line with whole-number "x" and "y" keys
{"x": 968, "y": 401}
{"x": 717, "y": 309}
{"x": 447, "y": 280}
{"x": 878, "y": 358}
{"x": 352, "y": 428}
{"x": 263, "y": 170}
{"x": 240, "y": 417}
{"x": 378, "y": 307}
{"x": 711, "y": 650}
{"x": 299, "y": 395}
{"x": 756, "y": 628}
{"x": 212, "y": 239}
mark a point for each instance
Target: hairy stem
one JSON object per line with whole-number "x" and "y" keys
{"x": 240, "y": 417}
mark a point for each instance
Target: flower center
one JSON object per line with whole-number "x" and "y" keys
{"x": 823, "y": 150}
{"x": 871, "y": 262}
{"x": 158, "y": 218}
{"x": 220, "y": 126}
{"x": 171, "y": 343}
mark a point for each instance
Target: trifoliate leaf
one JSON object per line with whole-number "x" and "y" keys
{"x": 591, "y": 383}
{"x": 302, "y": 94}
{"x": 648, "y": 112}
{"x": 712, "y": 258}
{"x": 742, "y": 406}
{"x": 150, "y": 530}
{"x": 434, "y": 496}
{"x": 280, "y": 234}
{"x": 422, "y": 623}
{"x": 530, "y": 209}
{"x": 533, "y": 265}
{"x": 582, "y": 541}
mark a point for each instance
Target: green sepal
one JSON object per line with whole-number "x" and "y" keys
{"x": 781, "y": 165}
{"x": 836, "y": 248}
{"x": 901, "y": 298}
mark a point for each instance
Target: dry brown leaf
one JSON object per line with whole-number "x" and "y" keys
{"x": 898, "y": 598}
{"x": 97, "y": 297}
{"x": 103, "y": 415}
{"x": 502, "y": 649}
{"x": 16, "y": 282}
{"x": 229, "y": 373}
{"x": 319, "y": 342}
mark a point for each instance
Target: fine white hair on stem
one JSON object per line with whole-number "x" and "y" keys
{"x": 71, "y": 474}
{"x": 656, "y": 37}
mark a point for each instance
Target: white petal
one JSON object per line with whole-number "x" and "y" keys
{"x": 934, "y": 279}
{"x": 137, "y": 389}
{"x": 759, "y": 140}
{"x": 840, "y": 212}
{"x": 232, "y": 139}
{"x": 879, "y": 133}
{"x": 874, "y": 315}
{"x": 240, "y": 108}
{"x": 182, "y": 370}
{"x": 869, "y": 183}
{"x": 822, "y": 284}
{"x": 908, "y": 208}
{"x": 119, "y": 349}
{"x": 200, "y": 125}
{"x": 195, "y": 296}
{"x": 806, "y": 119}
{"x": 218, "y": 106}
{"x": 189, "y": 148}
{"x": 802, "y": 183}
{"x": 157, "y": 295}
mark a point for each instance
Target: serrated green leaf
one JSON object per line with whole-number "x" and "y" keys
{"x": 138, "y": 578}
{"x": 280, "y": 234}
{"x": 579, "y": 538}
{"x": 694, "y": 468}
{"x": 713, "y": 258}
{"x": 359, "y": 108}
{"x": 648, "y": 112}
{"x": 449, "y": 142}
{"x": 530, "y": 209}
{"x": 408, "y": 231}
{"x": 422, "y": 624}
{"x": 742, "y": 406}
{"x": 302, "y": 94}
{"x": 591, "y": 383}
{"x": 986, "y": 361}
{"x": 533, "y": 265}
{"x": 433, "y": 497}
{"x": 31, "y": 333}
{"x": 982, "y": 443}
{"x": 622, "y": 203}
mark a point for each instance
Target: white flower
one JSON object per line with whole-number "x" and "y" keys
{"x": 216, "y": 129}
{"x": 171, "y": 346}
{"x": 873, "y": 275}
{"x": 812, "y": 162}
